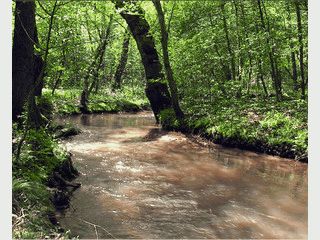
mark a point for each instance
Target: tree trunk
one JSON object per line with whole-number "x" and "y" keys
{"x": 303, "y": 85}
{"x": 38, "y": 69}
{"x": 262, "y": 79}
{"x": 169, "y": 73}
{"x": 292, "y": 52}
{"x": 60, "y": 73}
{"x": 22, "y": 55}
{"x": 243, "y": 25}
{"x": 101, "y": 57}
{"x": 260, "y": 72}
{"x": 35, "y": 118}
{"x": 156, "y": 88}
{"x": 271, "y": 52}
{"x": 229, "y": 47}
{"x": 240, "y": 56}
{"x": 123, "y": 60}
{"x": 40, "y": 80}
{"x": 94, "y": 69}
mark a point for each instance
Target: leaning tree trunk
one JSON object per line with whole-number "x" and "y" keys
{"x": 22, "y": 55}
{"x": 34, "y": 115}
{"x": 94, "y": 69}
{"x": 123, "y": 61}
{"x": 100, "y": 64}
{"x": 169, "y": 73}
{"x": 156, "y": 87}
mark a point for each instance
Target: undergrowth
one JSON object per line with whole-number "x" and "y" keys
{"x": 35, "y": 156}
{"x": 67, "y": 101}
{"x": 278, "y": 128}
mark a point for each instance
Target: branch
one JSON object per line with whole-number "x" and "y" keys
{"x": 45, "y": 10}
{"x": 171, "y": 15}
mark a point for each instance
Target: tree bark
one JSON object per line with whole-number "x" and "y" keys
{"x": 60, "y": 73}
{"x": 35, "y": 118}
{"x": 239, "y": 57}
{"x": 22, "y": 55}
{"x": 260, "y": 72}
{"x": 156, "y": 88}
{"x": 169, "y": 73}
{"x": 40, "y": 80}
{"x": 38, "y": 68}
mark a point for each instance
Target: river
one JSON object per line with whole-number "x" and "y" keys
{"x": 139, "y": 181}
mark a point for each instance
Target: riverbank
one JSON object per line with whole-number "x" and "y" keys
{"x": 66, "y": 102}
{"x": 41, "y": 171}
{"x": 252, "y": 124}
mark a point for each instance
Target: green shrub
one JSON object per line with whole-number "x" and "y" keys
{"x": 168, "y": 119}
{"x": 45, "y": 106}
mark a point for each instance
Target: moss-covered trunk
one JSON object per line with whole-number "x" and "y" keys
{"x": 156, "y": 87}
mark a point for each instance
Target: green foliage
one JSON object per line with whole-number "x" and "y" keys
{"x": 281, "y": 129}
{"x": 205, "y": 40}
{"x": 45, "y": 106}
{"x": 168, "y": 119}
{"x": 39, "y": 155}
{"x": 255, "y": 122}
{"x": 66, "y": 101}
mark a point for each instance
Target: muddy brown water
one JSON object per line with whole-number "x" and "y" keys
{"x": 139, "y": 181}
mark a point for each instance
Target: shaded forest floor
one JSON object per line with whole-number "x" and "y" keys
{"x": 268, "y": 126}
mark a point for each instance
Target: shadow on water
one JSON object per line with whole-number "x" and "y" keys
{"x": 141, "y": 182}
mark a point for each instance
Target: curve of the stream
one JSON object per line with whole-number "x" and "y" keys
{"x": 139, "y": 181}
